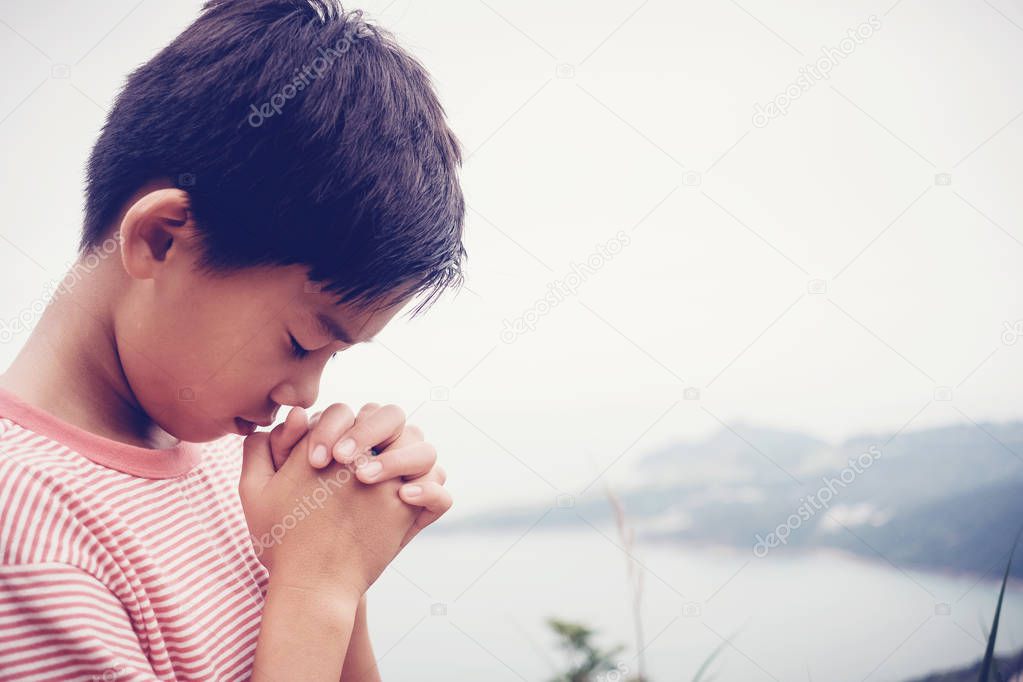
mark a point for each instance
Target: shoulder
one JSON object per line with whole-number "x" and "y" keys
{"x": 60, "y": 622}
{"x": 42, "y": 510}
{"x": 22, "y": 448}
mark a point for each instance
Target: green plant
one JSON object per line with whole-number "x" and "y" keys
{"x": 587, "y": 660}
{"x": 706, "y": 664}
{"x": 989, "y": 653}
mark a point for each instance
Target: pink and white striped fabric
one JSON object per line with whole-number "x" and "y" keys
{"x": 118, "y": 562}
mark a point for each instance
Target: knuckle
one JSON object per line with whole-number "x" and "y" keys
{"x": 368, "y": 408}
{"x": 335, "y": 417}
{"x": 397, "y": 461}
{"x": 441, "y": 492}
{"x": 395, "y": 411}
{"x": 342, "y": 410}
{"x": 436, "y": 498}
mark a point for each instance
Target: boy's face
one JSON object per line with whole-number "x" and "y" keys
{"x": 200, "y": 352}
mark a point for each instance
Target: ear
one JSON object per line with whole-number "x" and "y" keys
{"x": 158, "y": 225}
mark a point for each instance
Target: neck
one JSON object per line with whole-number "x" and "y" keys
{"x": 70, "y": 366}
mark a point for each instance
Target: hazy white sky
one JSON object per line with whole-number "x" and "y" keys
{"x": 583, "y": 122}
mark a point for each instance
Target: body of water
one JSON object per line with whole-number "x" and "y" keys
{"x": 473, "y": 607}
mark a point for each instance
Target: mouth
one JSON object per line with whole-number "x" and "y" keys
{"x": 243, "y": 426}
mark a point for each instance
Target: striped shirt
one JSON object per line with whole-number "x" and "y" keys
{"x": 119, "y": 562}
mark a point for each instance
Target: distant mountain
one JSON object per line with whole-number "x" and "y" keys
{"x": 728, "y": 456}
{"x": 968, "y": 531}
{"x": 944, "y": 498}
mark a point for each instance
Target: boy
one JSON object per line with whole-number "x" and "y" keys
{"x": 268, "y": 190}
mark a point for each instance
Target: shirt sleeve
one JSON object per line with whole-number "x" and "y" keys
{"x": 59, "y": 622}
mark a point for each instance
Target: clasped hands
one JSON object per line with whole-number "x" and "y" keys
{"x": 403, "y": 452}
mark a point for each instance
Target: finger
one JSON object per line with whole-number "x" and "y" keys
{"x": 333, "y": 422}
{"x": 412, "y": 460}
{"x": 410, "y": 435}
{"x": 413, "y": 432}
{"x": 257, "y": 465}
{"x": 433, "y": 497}
{"x": 436, "y": 474}
{"x": 366, "y": 410}
{"x": 380, "y": 428}
{"x": 285, "y": 435}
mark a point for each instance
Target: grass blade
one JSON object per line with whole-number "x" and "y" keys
{"x": 706, "y": 663}
{"x": 989, "y": 653}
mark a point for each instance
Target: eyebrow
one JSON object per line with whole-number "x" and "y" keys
{"x": 328, "y": 326}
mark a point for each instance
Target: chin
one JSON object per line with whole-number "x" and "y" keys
{"x": 204, "y": 432}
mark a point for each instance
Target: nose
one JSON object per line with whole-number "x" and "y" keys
{"x": 299, "y": 392}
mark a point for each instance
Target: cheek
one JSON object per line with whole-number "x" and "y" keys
{"x": 168, "y": 348}
{"x": 192, "y": 375}
{"x": 171, "y": 382}
{"x": 240, "y": 371}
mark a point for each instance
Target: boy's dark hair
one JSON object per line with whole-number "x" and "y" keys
{"x": 303, "y": 135}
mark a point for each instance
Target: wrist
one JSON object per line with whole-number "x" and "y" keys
{"x": 304, "y": 631}
{"x": 360, "y": 664}
{"x": 330, "y": 598}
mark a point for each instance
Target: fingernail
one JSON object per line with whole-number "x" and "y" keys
{"x": 319, "y": 456}
{"x": 371, "y": 469}
{"x": 412, "y": 490}
{"x": 344, "y": 448}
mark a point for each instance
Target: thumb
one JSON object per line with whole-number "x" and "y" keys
{"x": 257, "y": 465}
{"x": 286, "y": 434}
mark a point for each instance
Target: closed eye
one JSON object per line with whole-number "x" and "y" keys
{"x": 299, "y": 352}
